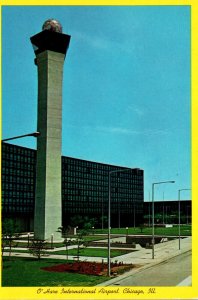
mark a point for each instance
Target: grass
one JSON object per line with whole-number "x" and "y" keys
{"x": 26, "y": 272}
{"x": 91, "y": 238}
{"x": 172, "y": 231}
{"x": 88, "y": 238}
{"x": 95, "y": 252}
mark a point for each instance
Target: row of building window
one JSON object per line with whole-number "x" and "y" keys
{"x": 18, "y": 158}
{"x": 100, "y": 199}
{"x": 17, "y": 187}
{"x": 18, "y": 201}
{"x": 17, "y": 179}
{"x": 97, "y": 179}
{"x": 18, "y": 165}
{"x": 18, "y": 172}
{"x": 16, "y": 209}
{"x": 73, "y": 170}
{"x": 68, "y": 162}
{"x": 8, "y": 148}
{"x": 97, "y": 186}
{"x": 97, "y": 197}
{"x": 83, "y": 163}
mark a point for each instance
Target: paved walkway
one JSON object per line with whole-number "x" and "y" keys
{"x": 141, "y": 256}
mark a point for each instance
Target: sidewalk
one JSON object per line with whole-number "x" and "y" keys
{"x": 143, "y": 258}
{"x": 162, "y": 252}
{"x": 140, "y": 256}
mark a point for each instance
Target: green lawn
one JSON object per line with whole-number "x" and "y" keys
{"x": 58, "y": 245}
{"x": 100, "y": 234}
{"x": 93, "y": 252}
{"x": 26, "y": 272}
{"x": 172, "y": 231}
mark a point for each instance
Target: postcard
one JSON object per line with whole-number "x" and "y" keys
{"x": 99, "y": 149}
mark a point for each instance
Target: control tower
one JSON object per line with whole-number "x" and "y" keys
{"x": 50, "y": 47}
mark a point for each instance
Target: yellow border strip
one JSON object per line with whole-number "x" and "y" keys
{"x": 101, "y": 2}
{"x": 161, "y": 292}
{"x": 194, "y": 122}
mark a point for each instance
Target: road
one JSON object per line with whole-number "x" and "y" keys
{"x": 168, "y": 273}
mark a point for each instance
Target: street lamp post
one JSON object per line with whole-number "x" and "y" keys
{"x": 52, "y": 240}
{"x": 163, "y": 209}
{"x": 179, "y": 216}
{"x": 119, "y": 214}
{"x": 134, "y": 214}
{"x": 109, "y": 224}
{"x": 187, "y": 214}
{"x": 149, "y": 211}
{"x": 102, "y": 216}
{"x": 34, "y": 134}
{"x": 127, "y": 231}
{"x": 28, "y": 239}
{"x": 109, "y": 219}
{"x": 153, "y": 216}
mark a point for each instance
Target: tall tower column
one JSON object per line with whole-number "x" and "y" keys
{"x": 50, "y": 48}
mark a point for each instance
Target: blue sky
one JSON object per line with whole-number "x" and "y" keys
{"x": 126, "y": 89}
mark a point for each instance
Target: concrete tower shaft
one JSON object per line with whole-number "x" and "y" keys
{"x": 50, "y": 49}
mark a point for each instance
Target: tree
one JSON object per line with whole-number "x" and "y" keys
{"x": 147, "y": 218}
{"x": 9, "y": 235}
{"x": 158, "y": 218}
{"x": 80, "y": 241}
{"x": 86, "y": 230}
{"x": 104, "y": 221}
{"x": 82, "y": 222}
{"x": 38, "y": 248}
{"x": 88, "y": 224}
{"x": 65, "y": 231}
{"x": 141, "y": 226}
{"x": 76, "y": 220}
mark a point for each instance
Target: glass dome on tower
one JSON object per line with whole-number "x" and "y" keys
{"x": 52, "y": 25}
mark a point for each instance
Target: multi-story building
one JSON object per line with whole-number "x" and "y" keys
{"x": 168, "y": 211}
{"x": 85, "y": 189}
{"x": 18, "y": 184}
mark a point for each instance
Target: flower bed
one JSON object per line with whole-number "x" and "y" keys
{"x": 89, "y": 268}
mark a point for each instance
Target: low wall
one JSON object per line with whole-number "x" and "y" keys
{"x": 143, "y": 241}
